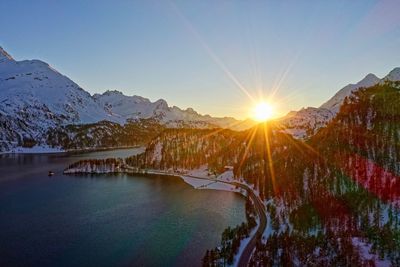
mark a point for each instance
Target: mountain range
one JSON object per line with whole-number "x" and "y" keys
{"x": 35, "y": 98}
{"x": 304, "y": 123}
{"x": 329, "y": 177}
{"x": 39, "y": 103}
{"x": 333, "y": 200}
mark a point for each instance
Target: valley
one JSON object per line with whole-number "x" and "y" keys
{"x": 329, "y": 173}
{"x": 339, "y": 186}
{"x": 200, "y": 133}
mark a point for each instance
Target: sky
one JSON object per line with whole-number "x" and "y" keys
{"x": 218, "y": 57}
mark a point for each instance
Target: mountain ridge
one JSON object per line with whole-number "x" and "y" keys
{"x": 339, "y": 189}
{"x": 35, "y": 98}
{"x": 304, "y": 123}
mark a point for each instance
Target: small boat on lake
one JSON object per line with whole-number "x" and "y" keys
{"x": 51, "y": 173}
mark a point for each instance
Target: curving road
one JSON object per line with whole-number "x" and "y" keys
{"x": 260, "y": 209}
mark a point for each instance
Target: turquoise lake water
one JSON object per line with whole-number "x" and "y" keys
{"x": 105, "y": 220}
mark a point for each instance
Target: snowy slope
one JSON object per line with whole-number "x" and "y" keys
{"x": 119, "y": 105}
{"x": 35, "y": 84}
{"x": 336, "y": 101}
{"x": 305, "y": 122}
{"x": 393, "y": 76}
{"x": 34, "y": 97}
{"x": 31, "y": 89}
{"x": 116, "y": 104}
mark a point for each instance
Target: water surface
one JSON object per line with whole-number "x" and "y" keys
{"x": 105, "y": 220}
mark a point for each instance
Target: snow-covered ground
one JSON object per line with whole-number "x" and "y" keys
{"x": 195, "y": 183}
{"x": 203, "y": 173}
{"x": 199, "y": 179}
{"x": 200, "y": 172}
{"x": 268, "y": 230}
{"x": 207, "y": 184}
{"x": 365, "y": 248}
{"x": 244, "y": 243}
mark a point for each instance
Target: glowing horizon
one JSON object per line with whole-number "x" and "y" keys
{"x": 216, "y": 57}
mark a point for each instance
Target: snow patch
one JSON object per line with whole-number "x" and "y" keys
{"x": 365, "y": 248}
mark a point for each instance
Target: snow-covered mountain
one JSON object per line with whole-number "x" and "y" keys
{"x": 393, "y": 76}
{"x": 336, "y": 101}
{"x": 118, "y": 105}
{"x": 31, "y": 89}
{"x": 305, "y": 122}
{"x": 34, "y": 97}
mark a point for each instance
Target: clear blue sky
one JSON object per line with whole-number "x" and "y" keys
{"x": 190, "y": 52}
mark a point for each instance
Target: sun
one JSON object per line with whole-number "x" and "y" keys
{"x": 263, "y": 111}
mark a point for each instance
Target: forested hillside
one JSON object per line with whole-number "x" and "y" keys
{"x": 348, "y": 212}
{"x": 190, "y": 149}
{"x": 104, "y": 134}
{"x": 36, "y": 99}
{"x": 331, "y": 200}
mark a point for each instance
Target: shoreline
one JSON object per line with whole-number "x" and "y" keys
{"x": 202, "y": 183}
{"x": 244, "y": 255}
{"x": 68, "y": 151}
{"x": 242, "y": 258}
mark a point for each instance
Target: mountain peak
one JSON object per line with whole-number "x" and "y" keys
{"x": 4, "y": 55}
{"x": 370, "y": 76}
{"x": 368, "y": 80}
{"x": 191, "y": 111}
{"x": 336, "y": 101}
{"x": 161, "y": 104}
{"x": 394, "y": 75}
